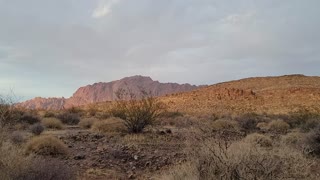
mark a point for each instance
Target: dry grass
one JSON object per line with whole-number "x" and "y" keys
{"x": 262, "y": 126}
{"x": 224, "y": 124}
{"x": 46, "y": 145}
{"x": 258, "y": 139}
{"x": 292, "y": 138}
{"x": 279, "y": 126}
{"x": 87, "y": 123}
{"x": 110, "y": 125}
{"x": 215, "y": 159}
{"x": 52, "y": 123}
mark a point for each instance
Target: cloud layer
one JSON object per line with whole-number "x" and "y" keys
{"x": 49, "y": 48}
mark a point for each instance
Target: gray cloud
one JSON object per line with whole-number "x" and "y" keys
{"x": 49, "y": 48}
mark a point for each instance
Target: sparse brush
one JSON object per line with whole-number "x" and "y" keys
{"x": 224, "y": 124}
{"x": 46, "y": 145}
{"x": 29, "y": 118}
{"x": 108, "y": 125}
{"x": 52, "y": 123}
{"x": 48, "y": 114}
{"x": 217, "y": 159}
{"x": 87, "y": 123}
{"x": 262, "y": 126}
{"x": 258, "y": 139}
{"x": 292, "y": 138}
{"x": 311, "y": 142}
{"x": 137, "y": 113}
{"x": 37, "y": 129}
{"x": 69, "y": 118}
{"x": 17, "y": 137}
{"x": 279, "y": 126}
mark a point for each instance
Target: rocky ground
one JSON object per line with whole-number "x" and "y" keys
{"x": 121, "y": 156}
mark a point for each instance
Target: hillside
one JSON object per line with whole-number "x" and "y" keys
{"x": 105, "y": 91}
{"x": 281, "y": 94}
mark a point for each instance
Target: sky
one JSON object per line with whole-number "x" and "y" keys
{"x": 50, "y": 48}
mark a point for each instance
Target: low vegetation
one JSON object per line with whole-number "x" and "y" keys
{"x": 87, "y": 123}
{"x": 37, "y": 129}
{"x": 47, "y": 146}
{"x": 137, "y": 113}
{"x": 177, "y": 146}
{"x": 52, "y": 123}
{"x": 69, "y": 118}
{"x": 108, "y": 126}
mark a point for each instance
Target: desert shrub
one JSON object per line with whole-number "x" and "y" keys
{"x": 279, "y": 126}
{"x": 87, "y": 123}
{"x": 137, "y": 113}
{"x": 248, "y": 122}
{"x": 171, "y": 114}
{"x": 262, "y": 126}
{"x": 48, "y": 114}
{"x": 47, "y": 146}
{"x": 108, "y": 125}
{"x": 17, "y": 137}
{"x": 310, "y": 124}
{"x": 29, "y": 118}
{"x": 185, "y": 121}
{"x": 69, "y": 118}
{"x": 74, "y": 110}
{"x": 12, "y": 160}
{"x": 38, "y": 168}
{"x": 216, "y": 159}
{"x": 37, "y": 129}
{"x": 300, "y": 118}
{"x": 14, "y": 164}
{"x": 224, "y": 124}
{"x": 258, "y": 139}
{"x": 311, "y": 142}
{"x": 186, "y": 171}
{"x": 52, "y": 123}
{"x": 292, "y": 138}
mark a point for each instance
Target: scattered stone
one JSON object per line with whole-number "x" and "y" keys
{"x": 79, "y": 157}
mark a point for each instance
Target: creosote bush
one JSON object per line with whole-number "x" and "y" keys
{"x": 137, "y": 112}
{"x": 37, "y": 129}
{"x": 52, "y": 123}
{"x": 47, "y": 146}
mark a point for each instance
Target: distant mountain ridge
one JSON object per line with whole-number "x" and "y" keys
{"x": 105, "y": 91}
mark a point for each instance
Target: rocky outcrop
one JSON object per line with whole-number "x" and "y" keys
{"x": 100, "y": 92}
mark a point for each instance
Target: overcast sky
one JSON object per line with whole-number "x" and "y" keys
{"x": 52, "y": 47}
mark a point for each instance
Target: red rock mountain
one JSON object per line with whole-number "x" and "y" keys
{"x": 100, "y": 92}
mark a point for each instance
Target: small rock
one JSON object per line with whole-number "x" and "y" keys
{"x": 79, "y": 157}
{"x": 168, "y": 131}
{"x": 135, "y": 157}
